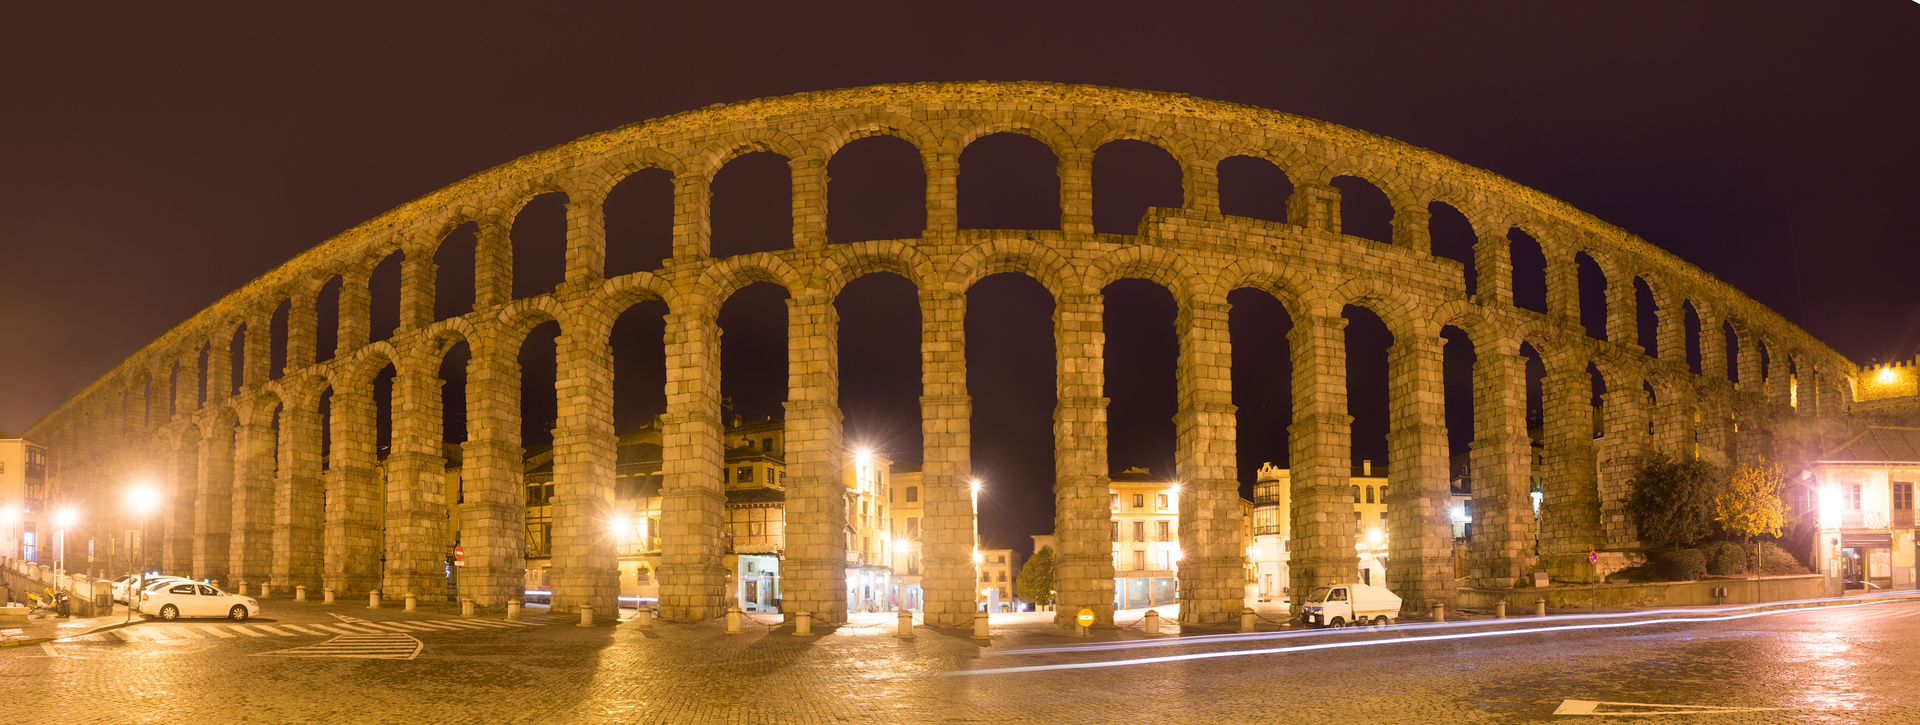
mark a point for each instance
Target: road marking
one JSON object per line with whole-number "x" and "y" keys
{"x": 48, "y": 648}
{"x": 386, "y": 626}
{"x": 484, "y": 623}
{"x": 302, "y": 630}
{"x": 124, "y": 637}
{"x": 1620, "y": 709}
{"x": 358, "y": 629}
{"x": 216, "y": 631}
{"x": 347, "y": 619}
{"x": 272, "y": 630}
{"x": 442, "y": 626}
{"x": 417, "y": 626}
{"x": 358, "y": 646}
{"x": 332, "y": 629}
{"x": 155, "y": 635}
{"x": 185, "y": 633}
{"x": 247, "y": 632}
{"x": 467, "y": 624}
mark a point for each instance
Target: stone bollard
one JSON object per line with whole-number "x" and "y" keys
{"x": 643, "y": 619}
{"x": 513, "y": 610}
{"x": 326, "y": 596}
{"x": 802, "y": 623}
{"x": 1153, "y": 622}
{"x": 980, "y": 625}
{"x": 266, "y": 590}
{"x": 300, "y": 593}
{"x": 905, "y": 630}
{"x": 1439, "y": 612}
{"x": 586, "y": 615}
{"x": 412, "y": 602}
{"x": 242, "y": 591}
{"x": 1539, "y": 607}
{"x": 466, "y": 606}
{"x": 1500, "y": 609}
{"x": 1246, "y": 619}
{"x": 373, "y": 599}
{"x": 733, "y": 621}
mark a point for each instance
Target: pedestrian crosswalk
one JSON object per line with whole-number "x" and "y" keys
{"x": 357, "y": 646}
{"x": 158, "y": 632}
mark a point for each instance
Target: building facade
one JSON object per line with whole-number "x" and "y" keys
{"x": 26, "y": 502}
{"x": 1860, "y": 495}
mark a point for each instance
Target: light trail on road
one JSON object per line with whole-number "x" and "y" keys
{"x": 1373, "y": 642}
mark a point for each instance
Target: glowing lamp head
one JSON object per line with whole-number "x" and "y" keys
{"x": 10, "y": 515}
{"x": 978, "y": 559}
{"x": 65, "y": 517}
{"x": 620, "y": 524}
{"x": 1175, "y": 488}
{"x": 1373, "y": 537}
{"x": 974, "y": 485}
{"x": 900, "y": 544}
{"x": 863, "y": 456}
{"x": 143, "y": 498}
{"x": 1886, "y": 374}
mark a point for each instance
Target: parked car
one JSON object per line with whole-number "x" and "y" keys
{"x": 174, "y": 600}
{"x": 1356, "y": 604}
{"x": 126, "y": 588}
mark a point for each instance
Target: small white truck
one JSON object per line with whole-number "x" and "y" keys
{"x": 1350, "y": 604}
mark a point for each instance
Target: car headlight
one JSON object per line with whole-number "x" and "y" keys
{"x": 252, "y": 603}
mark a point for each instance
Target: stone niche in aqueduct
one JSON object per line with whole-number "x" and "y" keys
{"x": 248, "y": 500}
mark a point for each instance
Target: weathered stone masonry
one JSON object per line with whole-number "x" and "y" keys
{"x": 253, "y": 499}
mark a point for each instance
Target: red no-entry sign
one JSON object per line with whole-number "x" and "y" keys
{"x": 459, "y": 553}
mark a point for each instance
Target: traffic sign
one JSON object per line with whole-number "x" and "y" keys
{"x": 1085, "y": 618}
{"x": 1593, "y": 557}
{"x": 459, "y": 553}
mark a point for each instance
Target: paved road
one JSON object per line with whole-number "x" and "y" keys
{"x": 1844, "y": 665}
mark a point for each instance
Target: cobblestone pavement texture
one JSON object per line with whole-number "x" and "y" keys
{"x": 1858, "y": 664}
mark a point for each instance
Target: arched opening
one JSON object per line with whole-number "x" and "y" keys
{"x": 1593, "y": 295}
{"x": 1766, "y": 362}
{"x": 880, "y": 365}
{"x": 1365, "y": 211}
{"x": 539, "y": 397}
{"x": 173, "y": 390}
{"x": 453, "y": 395}
{"x": 1253, "y": 187}
{"x": 1457, "y": 360}
{"x": 539, "y": 240}
{"x": 752, "y": 206}
{"x": 383, "y": 414}
{"x": 753, "y": 353}
{"x": 1367, "y": 395}
{"x": 326, "y": 331}
{"x": 1453, "y": 237}
{"x": 1536, "y": 390}
{"x": 1529, "y": 271}
{"x": 201, "y": 375}
{"x": 1732, "y": 340}
{"x": 1129, "y": 178}
{"x": 1646, "y": 317}
{"x": 237, "y": 355}
{"x": 325, "y": 411}
{"x": 639, "y": 222}
{"x": 876, "y": 189}
{"x": 1258, "y": 325}
{"x": 383, "y": 304}
{"x": 277, "y": 347}
{"x": 1008, "y": 181}
{"x": 1692, "y": 322}
{"x": 453, "y": 272}
{"x": 1011, "y": 378}
{"x": 639, "y": 366}
{"x": 1141, "y": 387}
{"x": 1598, "y": 401}
{"x": 1653, "y": 406}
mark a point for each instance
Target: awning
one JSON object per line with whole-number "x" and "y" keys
{"x": 1865, "y": 541}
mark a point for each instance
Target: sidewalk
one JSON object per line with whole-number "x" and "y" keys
{"x": 43, "y": 628}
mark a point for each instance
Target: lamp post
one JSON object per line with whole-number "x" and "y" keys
{"x": 142, "y": 499}
{"x": 61, "y": 520}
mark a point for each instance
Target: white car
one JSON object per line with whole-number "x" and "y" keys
{"x": 193, "y": 599}
{"x": 127, "y": 588}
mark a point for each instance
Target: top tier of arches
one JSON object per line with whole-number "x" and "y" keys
{"x": 1197, "y": 249}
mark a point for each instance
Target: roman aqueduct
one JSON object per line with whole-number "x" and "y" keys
{"x": 247, "y": 498}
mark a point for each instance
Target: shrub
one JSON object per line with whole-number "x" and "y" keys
{"x": 1725, "y": 558}
{"x": 1681, "y": 565}
{"x": 1635, "y": 574}
{"x": 1775, "y": 561}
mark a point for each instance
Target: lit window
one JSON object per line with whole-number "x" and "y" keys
{"x": 1356, "y": 494}
{"x": 1139, "y": 531}
{"x": 1369, "y": 494}
{"x": 1139, "y": 500}
{"x": 1163, "y": 502}
{"x": 1902, "y": 496}
{"x": 1853, "y": 496}
{"x": 1160, "y": 527}
{"x": 1139, "y": 559}
{"x": 743, "y": 474}
{"x": 1116, "y": 531}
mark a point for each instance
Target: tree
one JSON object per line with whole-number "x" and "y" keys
{"x": 1672, "y": 500}
{"x": 1035, "y": 581}
{"x": 1751, "y": 505}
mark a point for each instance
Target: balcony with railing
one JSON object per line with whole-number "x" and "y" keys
{"x": 1266, "y": 529}
{"x": 1266, "y": 499}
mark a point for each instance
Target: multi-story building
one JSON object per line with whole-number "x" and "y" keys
{"x": 1859, "y": 498}
{"x": 25, "y": 500}
{"x": 906, "y": 508}
{"x": 997, "y": 568}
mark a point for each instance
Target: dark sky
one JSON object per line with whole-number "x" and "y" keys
{"x": 154, "y": 158}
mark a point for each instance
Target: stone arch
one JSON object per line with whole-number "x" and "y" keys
{"x": 972, "y": 127}
{"x": 710, "y": 159}
{"x": 628, "y": 290}
{"x": 596, "y": 184}
{"x": 867, "y": 123}
{"x": 725, "y": 277}
{"x": 1401, "y": 312}
{"x": 1161, "y": 266}
{"x": 1040, "y": 262}
{"x": 848, "y": 262}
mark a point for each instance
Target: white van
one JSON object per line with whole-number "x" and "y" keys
{"x": 1357, "y": 604}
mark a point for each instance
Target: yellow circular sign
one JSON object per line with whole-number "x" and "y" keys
{"x": 1086, "y": 617}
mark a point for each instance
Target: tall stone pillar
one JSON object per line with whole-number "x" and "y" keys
{"x": 816, "y": 559}
{"x": 1779, "y": 382}
{"x": 297, "y": 509}
{"x": 416, "y": 524}
{"x": 1570, "y": 504}
{"x": 492, "y": 266}
{"x": 1412, "y": 229}
{"x": 302, "y": 333}
{"x": 1671, "y": 333}
{"x": 1627, "y": 416}
{"x": 186, "y": 384}
{"x": 1083, "y": 572}
{"x": 1623, "y": 312}
{"x": 1713, "y": 347}
{"x": 692, "y": 224}
{"x": 1493, "y": 269}
{"x": 1420, "y": 531}
{"x": 256, "y": 358}
{"x": 942, "y": 168}
{"x": 183, "y": 486}
{"x": 250, "y": 543}
{"x": 1213, "y": 569}
{"x": 585, "y": 452}
{"x": 212, "y": 538}
{"x": 1672, "y": 421}
{"x": 1316, "y": 206}
{"x": 586, "y": 241}
{"x": 946, "y": 413}
{"x": 1563, "y": 285}
{"x": 220, "y": 368}
{"x": 1320, "y": 448}
{"x": 1502, "y": 465}
{"x": 417, "y": 288}
{"x": 356, "y": 312}
{"x": 493, "y": 476}
{"x": 1752, "y": 382}
{"x": 693, "y": 580}
{"x": 808, "y": 201}
{"x": 352, "y": 541}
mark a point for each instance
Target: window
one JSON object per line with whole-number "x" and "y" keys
{"x": 1113, "y": 501}
{"x": 1116, "y": 531}
{"x": 1356, "y": 494}
{"x": 1160, "y": 528}
{"x": 1902, "y": 496}
{"x": 783, "y": 478}
{"x": 769, "y": 476}
{"x": 1356, "y": 522}
{"x": 1139, "y": 500}
{"x": 207, "y": 591}
{"x": 1002, "y": 576}
{"x": 1383, "y": 494}
{"x": 1166, "y": 560}
{"x": 744, "y": 474}
{"x": 986, "y": 576}
{"x": 182, "y": 589}
{"x": 1139, "y": 559}
{"x": 1369, "y": 494}
{"x": 1139, "y": 531}
{"x": 1163, "y": 502}
{"x": 1853, "y": 496}
{"x": 766, "y": 444}
{"x": 913, "y": 494}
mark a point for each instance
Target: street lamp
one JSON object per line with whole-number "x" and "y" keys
{"x": 142, "y": 499}
{"x": 61, "y": 520}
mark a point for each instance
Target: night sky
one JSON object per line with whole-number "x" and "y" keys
{"x": 153, "y": 159}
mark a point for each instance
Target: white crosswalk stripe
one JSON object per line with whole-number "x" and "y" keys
{"x": 247, "y": 632}
{"x": 216, "y": 631}
{"x": 331, "y": 629}
{"x": 358, "y": 646}
{"x": 124, "y": 637}
{"x": 271, "y": 630}
{"x": 300, "y": 629}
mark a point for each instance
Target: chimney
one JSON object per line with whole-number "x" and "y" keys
{"x": 736, "y": 420}
{"x": 1366, "y": 467}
